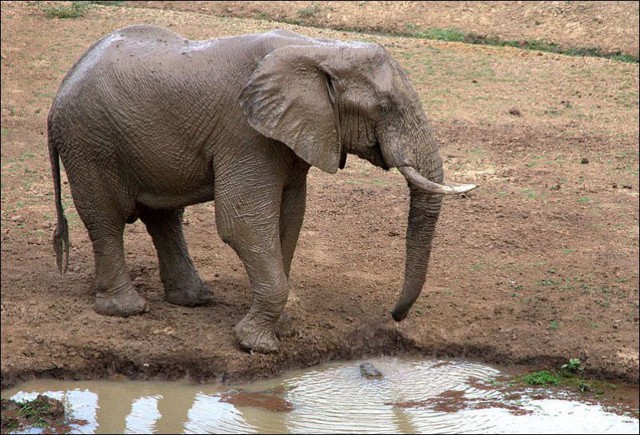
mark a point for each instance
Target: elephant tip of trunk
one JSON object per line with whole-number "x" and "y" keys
{"x": 398, "y": 315}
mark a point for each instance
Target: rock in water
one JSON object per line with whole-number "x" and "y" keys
{"x": 367, "y": 370}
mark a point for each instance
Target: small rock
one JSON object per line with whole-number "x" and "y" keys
{"x": 584, "y": 161}
{"x": 515, "y": 112}
{"x": 368, "y": 371}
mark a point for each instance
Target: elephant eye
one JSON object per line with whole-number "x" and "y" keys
{"x": 385, "y": 107}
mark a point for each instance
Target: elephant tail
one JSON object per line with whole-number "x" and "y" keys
{"x": 61, "y": 234}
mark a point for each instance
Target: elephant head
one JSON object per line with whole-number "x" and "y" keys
{"x": 329, "y": 98}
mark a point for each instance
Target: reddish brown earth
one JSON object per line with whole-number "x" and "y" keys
{"x": 537, "y": 266}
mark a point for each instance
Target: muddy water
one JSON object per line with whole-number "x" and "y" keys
{"x": 413, "y": 396}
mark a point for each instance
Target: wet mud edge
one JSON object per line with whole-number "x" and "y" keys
{"x": 91, "y": 363}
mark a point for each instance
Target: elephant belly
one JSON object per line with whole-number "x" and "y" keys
{"x": 168, "y": 201}
{"x": 176, "y": 194}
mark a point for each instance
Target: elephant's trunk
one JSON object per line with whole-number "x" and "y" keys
{"x": 412, "y": 149}
{"x": 423, "y": 215}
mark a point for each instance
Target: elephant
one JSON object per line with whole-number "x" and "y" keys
{"x": 147, "y": 123}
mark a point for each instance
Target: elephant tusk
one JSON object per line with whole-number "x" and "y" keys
{"x": 414, "y": 177}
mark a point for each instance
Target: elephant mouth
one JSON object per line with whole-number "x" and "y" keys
{"x": 378, "y": 157}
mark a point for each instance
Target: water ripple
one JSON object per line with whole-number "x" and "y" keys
{"x": 414, "y": 396}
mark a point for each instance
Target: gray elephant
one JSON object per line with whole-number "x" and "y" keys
{"x": 147, "y": 123}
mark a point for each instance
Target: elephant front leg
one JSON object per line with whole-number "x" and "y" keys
{"x": 248, "y": 221}
{"x": 257, "y": 330}
{"x": 291, "y": 217}
{"x": 181, "y": 282}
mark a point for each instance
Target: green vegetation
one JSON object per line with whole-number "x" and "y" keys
{"x": 450, "y": 35}
{"x": 567, "y": 377}
{"x": 531, "y": 194}
{"x": 543, "y": 378}
{"x": 263, "y": 16}
{"x": 573, "y": 366}
{"x": 554, "y": 325}
{"x": 41, "y": 412}
{"x": 71, "y": 10}
{"x": 477, "y": 266}
{"x": 310, "y": 11}
{"x": 549, "y": 282}
{"x": 455, "y": 35}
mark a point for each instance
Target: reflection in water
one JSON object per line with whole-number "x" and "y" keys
{"x": 329, "y": 399}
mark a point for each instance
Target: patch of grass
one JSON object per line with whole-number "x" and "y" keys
{"x": 554, "y": 325}
{"x": 476, "y": 267}
{"x": 584, "y": 387}
{"x": 309, "y": 12}
{"x": 106, "y": 3}
{"x": 262, "y": 15}
{"x": 5, "y": 132}
{"x": 450, "y": 35}
{"x": 584, "y": 200}
{"x": 549, "y": 282}
{"x": 456, "y": 35}
{"x": 573, "y": 366}
{"x": 530, "y": 193}
{"x": 563, "y": 379}
{"x": 68, "y": 10}
{"x": 41, "y": 412}
{"x": 542, "y": 378}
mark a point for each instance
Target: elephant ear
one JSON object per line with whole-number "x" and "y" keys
{"x": 290, "y": 98}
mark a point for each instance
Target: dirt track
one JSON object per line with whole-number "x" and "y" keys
{"x": 537, "y": 266}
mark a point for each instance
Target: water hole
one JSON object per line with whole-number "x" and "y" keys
{"x": 411, "y": 396}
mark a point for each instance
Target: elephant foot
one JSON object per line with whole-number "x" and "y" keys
{"x": 285, "y": 326}
{"x": 188, "y": 295}
{"x": 124, "y": 303}
{"x": 255, "y": 335}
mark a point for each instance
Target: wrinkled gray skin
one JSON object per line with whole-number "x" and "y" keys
{"x": 147, "y": 123}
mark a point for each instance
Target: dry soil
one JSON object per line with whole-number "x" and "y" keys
{"x": 537, "y": 266}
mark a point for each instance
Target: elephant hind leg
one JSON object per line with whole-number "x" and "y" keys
{"x": 181, "y": 282}
{"x": 115, "y": 294}
{"x": 96, "y": 206}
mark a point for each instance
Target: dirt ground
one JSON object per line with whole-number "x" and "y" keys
{"x": 610, "y": 26}
{"x": 537, "y": 266}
